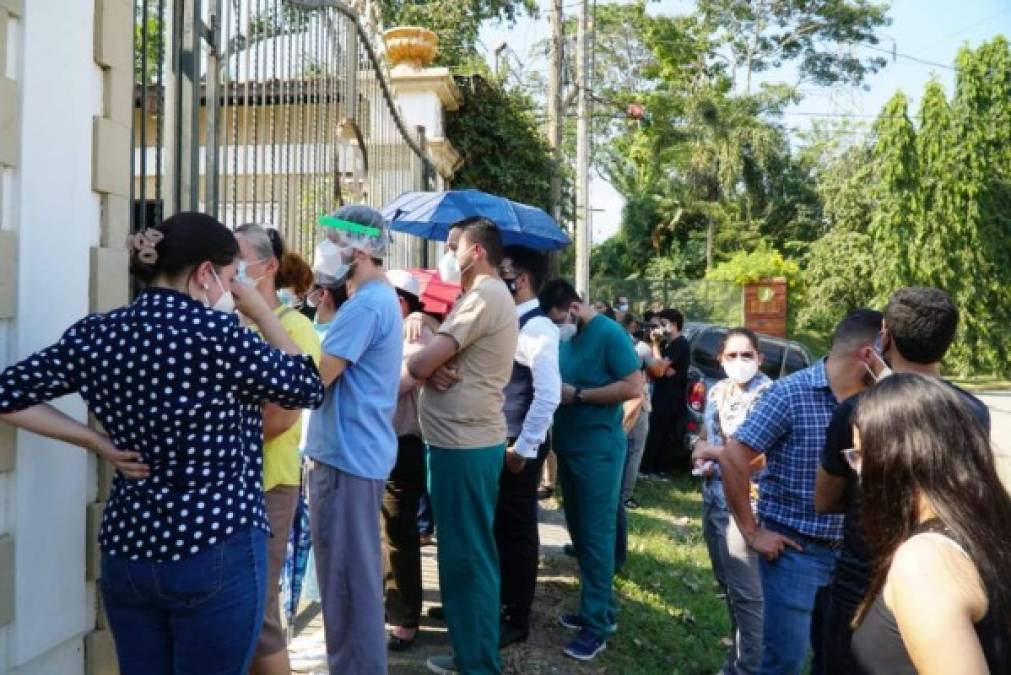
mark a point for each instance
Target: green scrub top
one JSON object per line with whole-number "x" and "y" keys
{"x": 600, "y": 354}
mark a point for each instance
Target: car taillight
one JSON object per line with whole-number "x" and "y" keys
{"x": 697, "y": 396}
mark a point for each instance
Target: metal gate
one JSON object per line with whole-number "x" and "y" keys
{"x": 269, "y": 111}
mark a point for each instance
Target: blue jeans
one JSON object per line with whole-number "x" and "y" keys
{"x": 735, "y": 567}
{"x": 790, "y": 585}
{"x": 199, "y": 615}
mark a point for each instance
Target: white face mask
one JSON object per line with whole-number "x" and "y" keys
{"x": 885, "y": 370}
{"x": 741, "y": 371}
{"x": 449, "y": 268}
{"x": 623, "y": 307}
{"x": 226, "y": 303}
{"x": 567, "y": 331}
{"x": 333, "y": 260}
{"x": 242, "y": 276}
{"x": 314, "y": 298}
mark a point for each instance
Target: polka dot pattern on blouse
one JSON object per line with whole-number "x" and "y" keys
{"x": 183, "y": 385}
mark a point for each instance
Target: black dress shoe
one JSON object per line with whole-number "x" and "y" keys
{"x": 569, "y": 550}
{"x": 511, "y": 635}
{"x": 435, "y": 612}
{"x": 397, "y": 644}
{"x": 545, "y": 493}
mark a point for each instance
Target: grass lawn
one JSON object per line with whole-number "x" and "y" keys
{"x": 983, "y": 383}
{"x": 671, "y": 620}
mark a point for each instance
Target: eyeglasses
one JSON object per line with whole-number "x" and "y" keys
{"x": 744, "y": 356}
{"x": 854, "y": 457}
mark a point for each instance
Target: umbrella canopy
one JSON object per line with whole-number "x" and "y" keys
{"x": 437, "y": 295}
{"x": 429, "y": 215}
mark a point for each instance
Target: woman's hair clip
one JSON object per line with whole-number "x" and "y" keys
{"x": 144, "y": 244}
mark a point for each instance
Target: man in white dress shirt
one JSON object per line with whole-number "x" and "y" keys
{"x": 533, "y": 393}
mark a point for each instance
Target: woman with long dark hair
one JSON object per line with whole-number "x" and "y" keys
{"x": 938, "y": 523}
{"x": 178, "y": 386}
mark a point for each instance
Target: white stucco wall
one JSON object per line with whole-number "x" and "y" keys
{"x": 57, "y": 217}
{"x": 421, "y": 108}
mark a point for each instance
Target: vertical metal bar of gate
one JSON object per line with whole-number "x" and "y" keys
{"x": 292, "y": 116}
{"x": 212, "y": 104}
{"x": 186, "y": 89}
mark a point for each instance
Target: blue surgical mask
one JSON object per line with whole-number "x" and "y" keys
{"x": 242, "y": 276}
{"x": 286, "y": 297}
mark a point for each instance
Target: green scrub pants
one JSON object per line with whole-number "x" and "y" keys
{"x": 463, "y": 488}
{"x": 590, "y": 476}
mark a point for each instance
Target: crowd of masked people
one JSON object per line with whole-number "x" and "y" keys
{"x": 852, "y": 510}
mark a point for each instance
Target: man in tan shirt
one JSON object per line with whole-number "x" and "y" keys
{"x": 465, "y": 369}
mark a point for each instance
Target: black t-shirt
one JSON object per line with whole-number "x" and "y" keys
{"x": 854, "y": 567}
{"x": 677, "y": 351}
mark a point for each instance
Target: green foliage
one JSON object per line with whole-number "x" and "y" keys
{"x": 935, "y": 204}
{"x": 503, "y": 151}
{"x": 836, "y": 278}
{"x": 148, "y": 45}
{"x": 896, "y": 193}
{"x": 760, "y": 34}
{"x": 749, "y": 267}
{"x": 975, "y": 197}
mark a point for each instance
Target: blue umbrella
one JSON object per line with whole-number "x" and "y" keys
{"x": 429, "y": 215}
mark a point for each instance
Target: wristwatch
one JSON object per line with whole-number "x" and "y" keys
{"x": 578, "y": 395}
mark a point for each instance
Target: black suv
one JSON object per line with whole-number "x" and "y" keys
{"x": 782, "y": 357}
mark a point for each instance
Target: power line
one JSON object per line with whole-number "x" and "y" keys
{"x": 899, "y": 55}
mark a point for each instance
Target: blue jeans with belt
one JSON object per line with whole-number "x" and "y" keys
{"x": 790, "y": 584}
{"x": 199, "y": 615}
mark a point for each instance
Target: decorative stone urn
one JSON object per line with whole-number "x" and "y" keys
{"x": 410, "y": 47}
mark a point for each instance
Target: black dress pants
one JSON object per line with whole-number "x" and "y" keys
{"x": 517, "y": 538}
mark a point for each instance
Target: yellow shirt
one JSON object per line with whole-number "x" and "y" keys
{"x": 281, "y": 460}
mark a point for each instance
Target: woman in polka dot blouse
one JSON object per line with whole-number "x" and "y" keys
{"x": 178, "y": 386}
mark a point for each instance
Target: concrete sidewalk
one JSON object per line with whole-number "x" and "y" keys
{"x": 308, "y": 650}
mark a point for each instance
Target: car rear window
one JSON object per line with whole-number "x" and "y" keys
{"x": 795, "y": 360}
{"x": 705, "y": 349}
{"x": 774, "y": 353}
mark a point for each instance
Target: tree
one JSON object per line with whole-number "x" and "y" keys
{"x": 977, "y": 197}
{"x": 504, "y": 152}
{"x": 896, "y": 194}
{"x": 836, "y": 278}
{"x": 819, "y": 35}
{"x": 929, "y": 255}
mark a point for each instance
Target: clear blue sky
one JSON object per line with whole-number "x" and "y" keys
{"x": 931, "y": 30}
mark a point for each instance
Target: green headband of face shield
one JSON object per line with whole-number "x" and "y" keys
{"x": 348, "y": 226}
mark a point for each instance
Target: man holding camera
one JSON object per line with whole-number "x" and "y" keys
{"x": 668, "y": 393}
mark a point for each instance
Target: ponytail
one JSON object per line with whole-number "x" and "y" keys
{"x": 294, "y": 273}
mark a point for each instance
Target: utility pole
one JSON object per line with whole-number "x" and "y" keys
{"x": 555, "y": 106}
{"x": 583, "y": 152}
{"x": 556, "y": 60}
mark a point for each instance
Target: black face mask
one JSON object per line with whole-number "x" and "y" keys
{"x": 511, "y": 285}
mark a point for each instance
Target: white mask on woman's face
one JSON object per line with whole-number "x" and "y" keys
{"x": 740, "y": 370}
{"x": 226, "y": 302}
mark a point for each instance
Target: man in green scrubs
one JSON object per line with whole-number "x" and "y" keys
{"x": 465, "y": 369}
{"x": 600, "y": 371}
